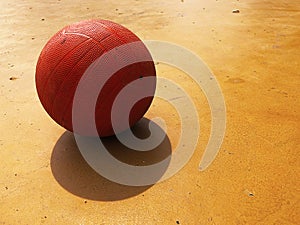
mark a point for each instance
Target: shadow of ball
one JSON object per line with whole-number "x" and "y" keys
{"x": 73, "y": 173}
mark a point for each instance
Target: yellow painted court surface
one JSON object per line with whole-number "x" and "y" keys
{"x": 254, "y": 55}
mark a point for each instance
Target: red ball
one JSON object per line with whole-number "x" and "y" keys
{"x": 69, "y": 53}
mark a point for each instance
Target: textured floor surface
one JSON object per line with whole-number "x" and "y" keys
{"x": 255, "y": 56}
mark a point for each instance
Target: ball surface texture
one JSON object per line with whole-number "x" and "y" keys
{"x": 68, "y": 55}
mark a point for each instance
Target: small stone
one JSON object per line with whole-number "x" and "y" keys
{"x": 13, "y": 78}
{"x": 236, "y": 11}
{"x": 177, "y": 222}
{"x": 249, "y": 193}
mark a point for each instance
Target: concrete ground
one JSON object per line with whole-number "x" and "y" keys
{"x": 255, "y": 56}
